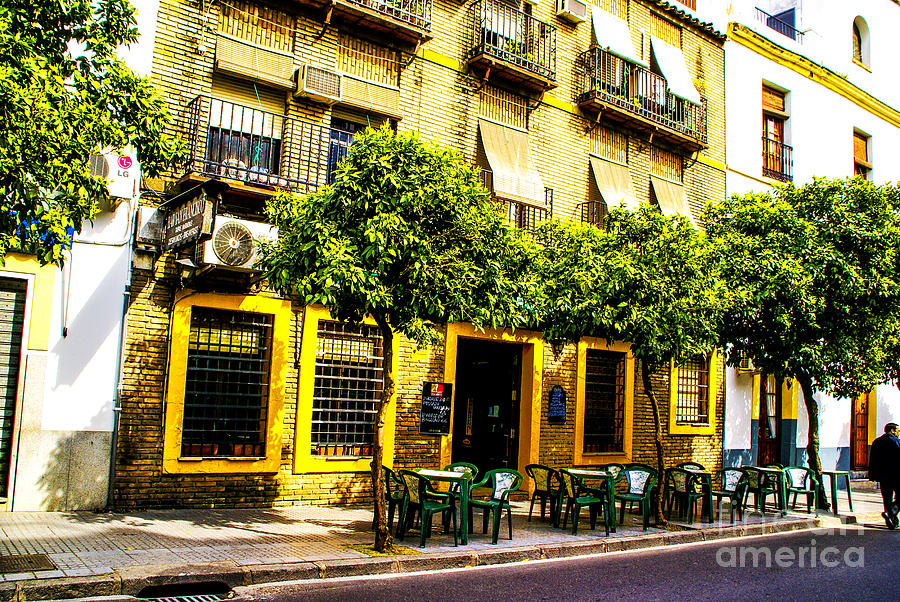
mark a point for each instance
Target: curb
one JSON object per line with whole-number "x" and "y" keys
{"x": 130, "y": 581}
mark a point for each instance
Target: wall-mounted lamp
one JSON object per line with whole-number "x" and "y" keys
{"x": 187, "y": 268}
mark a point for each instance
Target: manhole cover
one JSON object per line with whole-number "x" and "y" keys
{"x": 25, "y": 563}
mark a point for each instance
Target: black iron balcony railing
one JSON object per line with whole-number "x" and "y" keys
{"x": 778, "y": 162}
{"x": 593, "y": 212}
{"x": 412, "y": 12}
{"x": 639, "y": 91}
{"x": 773, "y": 22}
{"x": 522, "y": 215}
{"x": 506, "y": 33}
{"x": 260, "y": 148}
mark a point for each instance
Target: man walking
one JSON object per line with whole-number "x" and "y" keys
{"x": 884, "y": 467}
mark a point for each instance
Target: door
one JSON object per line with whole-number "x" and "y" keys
{"x": 486, "y": 414}
{"x": 341, "y": 136}
{"x": 12, "y": 318}
{"x": 769, "y": 445}
{"x": 773, "y": 132}
{"x": 859, "y": 433}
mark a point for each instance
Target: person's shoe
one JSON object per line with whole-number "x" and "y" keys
{"x": 890, "y": 520}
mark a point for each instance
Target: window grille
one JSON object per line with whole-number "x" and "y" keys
{"x": 693, "y": 391}
{"x": 348, "y": 384}
{"x": 227, "y": 383}
{"x": 604, "y": 402}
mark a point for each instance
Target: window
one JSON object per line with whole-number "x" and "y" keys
{"x": 348, "y": 383}
{"x": 692, "y": 396}
{"x": 226, "y": 381}
{"x": 226, "y": 384}
{"x": 778, "y": 162}
{"x": 861, "y": 43}
{"x": 604, "y": 402}
{"x": 861, "y": 164}
{"x": 502, "y": 106}
{"x": 692, "y": 4}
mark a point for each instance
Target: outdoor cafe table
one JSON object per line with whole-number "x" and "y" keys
{"x": 607, "y": 478}
{"x": 778, "y": 475}
{"x": 464, "y": 481}
{"x": 832, "y": 476}
{"x": 705, "y": 480}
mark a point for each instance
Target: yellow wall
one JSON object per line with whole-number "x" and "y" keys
{"x": 41, "y": 296}
{"x": 694, "y": 429}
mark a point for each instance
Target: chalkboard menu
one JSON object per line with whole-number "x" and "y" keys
{"x": 435, "y": 413}
{"x": 556, "y": 407}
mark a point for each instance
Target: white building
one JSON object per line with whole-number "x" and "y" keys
{"x": 810, "y": 90}
{"x": 61, "y": 353}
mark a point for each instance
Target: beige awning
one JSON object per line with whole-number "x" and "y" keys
{"x": 671, "y": 199}
{"x": 671, "y": 62}
{"x": 514, "y": 175}
{"x": 614, "y": 183}
{"x": 612, "y": 33}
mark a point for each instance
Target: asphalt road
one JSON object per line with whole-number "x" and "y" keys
{"x": 859, "y": 564}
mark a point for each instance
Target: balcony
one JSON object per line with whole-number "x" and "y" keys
{"x": 258, "y": 152}
{"x": 521, "y": 215}
{"x": 406, "y": 21}
{"x": 638, "y": 98}
{"x": 778, "y": 162}
{"x": 783, "y": 23}
{"x": 513, "y": 46}
{"x": 593, "y": 212}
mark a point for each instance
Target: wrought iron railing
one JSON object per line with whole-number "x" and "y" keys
{"x": 778, "y": 162}
{"x": 638, "y": 90}
{"x": 522, "y": 215}
{"x": 412, "y": 12}
{"x": 506, "y": 33}
{"x": 773, "y": 22}
{"x": 593, "y": 212}
{"x": 260, "y": 148}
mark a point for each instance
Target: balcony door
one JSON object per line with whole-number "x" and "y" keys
{"x": 769, "y": 443}
{"x": 773, "y": 133}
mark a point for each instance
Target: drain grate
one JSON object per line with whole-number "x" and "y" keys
{"x": 212, "y": 591}
{"x": 24, "y": 563}
{"x": 193, "y": 598}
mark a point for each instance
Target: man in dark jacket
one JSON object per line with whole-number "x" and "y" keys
{"x": 884, "y": 467}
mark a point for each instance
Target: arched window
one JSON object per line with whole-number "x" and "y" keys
{"x": 860, "y": 41}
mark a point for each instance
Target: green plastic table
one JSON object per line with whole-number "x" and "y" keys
{"x": 464, "y": 481}
{"x": 705, "y": 480}
{"x": 833, "y": 476}
{"x": 778, "y": 474}
{"x": 607, "y": 478}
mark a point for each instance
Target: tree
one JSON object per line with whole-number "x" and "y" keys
{"x": 58, "y": 106}
{"x": 815, "y": 269}
{"x": 408, "y": 236}
{"x": 650, "y": 280}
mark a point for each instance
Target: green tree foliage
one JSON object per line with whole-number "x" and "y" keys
{"x": 814, "y": 270}
{"x": 63, "y": 96}
{"x": 647, "y": 279}
{"x": 408, "y": 236}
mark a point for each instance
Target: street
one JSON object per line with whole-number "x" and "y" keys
{"x": 822, "y": 564}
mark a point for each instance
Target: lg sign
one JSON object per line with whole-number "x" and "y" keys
{"x": 124, "y": 162}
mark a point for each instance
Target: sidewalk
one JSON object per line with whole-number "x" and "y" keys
{"x": 94, "y": 554}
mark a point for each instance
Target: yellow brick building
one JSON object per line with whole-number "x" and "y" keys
{"x": 235, "y": 397}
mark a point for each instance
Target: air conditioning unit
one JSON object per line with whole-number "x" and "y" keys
{"x": 573, "y": 11}
{"x": 121, "y": 171}
{"x": 233, "y": 244}
{"x": 318, "y": 84}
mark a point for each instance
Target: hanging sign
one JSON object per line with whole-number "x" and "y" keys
{"x": 434, "y": 418}
{"x": 556, "y": 405}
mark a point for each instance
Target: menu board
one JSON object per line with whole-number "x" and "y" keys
{"x": 556, "y": 406}
{"x": 434, "y": 418}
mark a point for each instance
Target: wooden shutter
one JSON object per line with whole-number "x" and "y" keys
{"x": 860, "y": 148}
{"x": 772, "y": 100}
{"x": 12, "y": 319}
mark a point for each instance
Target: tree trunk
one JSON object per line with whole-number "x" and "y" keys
{"x": 383, "y": 539}
{"x": 660, "y": 467}
{"x": 812, "y": 446}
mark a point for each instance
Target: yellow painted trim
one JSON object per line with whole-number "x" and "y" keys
{"x": 712, "y": 392}
{"x": 715, "y": 164}
{"x": 280, "y": 309}
{"x": 790, "y": 399}
{"x": 872, "y": 407}
{"x": 304, "y": 460}
{"x": 41, "y": 296}
{"x": 580, "y": 393}
{"x": 743, "y": 35}
{"x": 531, "y": 385}
{"x": 754, "y": 401}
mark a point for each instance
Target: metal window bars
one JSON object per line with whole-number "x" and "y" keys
{"x": 412, "y": 12}
{"x": 637, "y": 90}
{"x": 347, "y": 388}
{"x": 692, "y": 404}
{"x": 506, "y": 33}
{"x": 604, "y": 402}
{"x": 774, "y": 22}
{"x": 778, "y": 160}
{"x": 226, "y": 383}
{"x": 593, "y": 212}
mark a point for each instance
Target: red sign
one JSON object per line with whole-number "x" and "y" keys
{"x": 124, "y": 161}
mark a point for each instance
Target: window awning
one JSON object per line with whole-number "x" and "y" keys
{"x": 612, "y": 33}
{"x": 514, "y": 175}
{"x": 670, "y": 197}
{"x": 614, "y": 183}
{"x": 671, "y": 63}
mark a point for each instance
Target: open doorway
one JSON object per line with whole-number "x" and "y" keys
{"x": 486, "y": 414}
{"x": 769, "y": 444}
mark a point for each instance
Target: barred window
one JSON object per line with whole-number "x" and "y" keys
{"x": 347, "y": 388}
{"x": 502, "y": 106}
{"x": 610, "y": 144}
{"x": 267, "y": 27}
{"x": 693, "y": 391}
{"x": 604, "y": 402}
{"x": 227, "y": 383}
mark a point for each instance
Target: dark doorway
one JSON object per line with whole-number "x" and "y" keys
{"x": 769, "y": 448}
{"x": 486, "y": 415}
{"x": 859, "y": 433}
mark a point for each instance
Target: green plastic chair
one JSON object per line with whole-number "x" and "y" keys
{"x": 420, "y": 497}
{"x": 393, "y": 494}
{"x": 641, "y": 479}
{"x": 761, "y": 486}
{"x": 576, "y": 496}
{"x": 690, "y": 466}
{"x": 461, "y": 467}
{"x": 615, "y": 470}
{"x": 502, "y": 482}
{"x": 544, "y": 478}
{"x": 682, "y": 492}
{"x": 801, "y": 480}
{"x": 730, "y": 483}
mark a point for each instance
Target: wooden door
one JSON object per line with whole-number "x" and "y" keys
{"x": 773, "y": 132}
{"x": 859, "y": 433}
{"x": 769, "y": 444}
